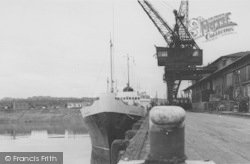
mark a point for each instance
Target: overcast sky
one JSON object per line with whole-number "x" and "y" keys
{"x": 61, "y": 47}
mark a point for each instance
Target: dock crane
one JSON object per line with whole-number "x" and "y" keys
{"x": 182, "y": 55}
{"x": 173, "y": 37}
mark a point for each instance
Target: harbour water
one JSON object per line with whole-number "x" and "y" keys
{"x": 73, "y": 141}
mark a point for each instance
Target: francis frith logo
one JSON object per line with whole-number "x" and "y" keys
{"x": 211, "y": 28}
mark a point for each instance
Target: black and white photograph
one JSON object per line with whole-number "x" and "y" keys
{"x": 124, "y": 82}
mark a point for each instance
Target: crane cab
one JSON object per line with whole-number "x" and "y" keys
{"x": 178, "y": 56}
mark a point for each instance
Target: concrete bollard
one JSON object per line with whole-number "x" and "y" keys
{"x": 166, "y": 138}
{"x": 166, "y": 135}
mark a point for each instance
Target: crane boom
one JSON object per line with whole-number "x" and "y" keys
{"x": 158, "y": 21}
{"x": 184, "y": 37}
{"x": 179, "y": 37}
{"x": 183, "y": 12}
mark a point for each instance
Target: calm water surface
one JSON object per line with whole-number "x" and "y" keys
{"x": 71, "y": 139}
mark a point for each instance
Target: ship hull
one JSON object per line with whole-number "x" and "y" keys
{"x": 107, "y": 119}
{"x": 103, "y": 129}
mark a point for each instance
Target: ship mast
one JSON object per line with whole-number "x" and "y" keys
{"x": 111, "y": 67}
{"x": 128, "y": 70}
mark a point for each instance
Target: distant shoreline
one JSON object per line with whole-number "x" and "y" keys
{"x": 40, "y": 115}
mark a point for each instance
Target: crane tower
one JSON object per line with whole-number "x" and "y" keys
{"x": 182, "y": 56}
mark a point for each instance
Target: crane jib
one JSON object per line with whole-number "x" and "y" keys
{"x": 177, "y": 37}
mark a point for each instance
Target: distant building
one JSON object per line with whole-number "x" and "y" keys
{"x": 71, "y": 105}
{"x": 227, "y": 88}
{"x": 6, "y": 105}
{"x": 21, "y": 105}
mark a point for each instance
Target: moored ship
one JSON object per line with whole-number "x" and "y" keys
{"x": 106, "y": 120}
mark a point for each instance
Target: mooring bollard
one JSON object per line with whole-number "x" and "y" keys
{"x": 166, "y": 135}
{"x": 166, "y": 138}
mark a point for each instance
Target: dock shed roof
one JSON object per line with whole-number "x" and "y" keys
{"x": 243, "y": 56}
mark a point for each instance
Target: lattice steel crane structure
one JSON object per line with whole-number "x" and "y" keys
{"x": 182, "y": 55}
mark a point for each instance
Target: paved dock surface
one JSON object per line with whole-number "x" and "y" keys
{"x": 221, "y": 138}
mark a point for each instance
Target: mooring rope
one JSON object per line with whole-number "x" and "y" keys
{"x": 103, "y": 148}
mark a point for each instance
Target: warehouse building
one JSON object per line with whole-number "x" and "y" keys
{"x": 227, "y": 88}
